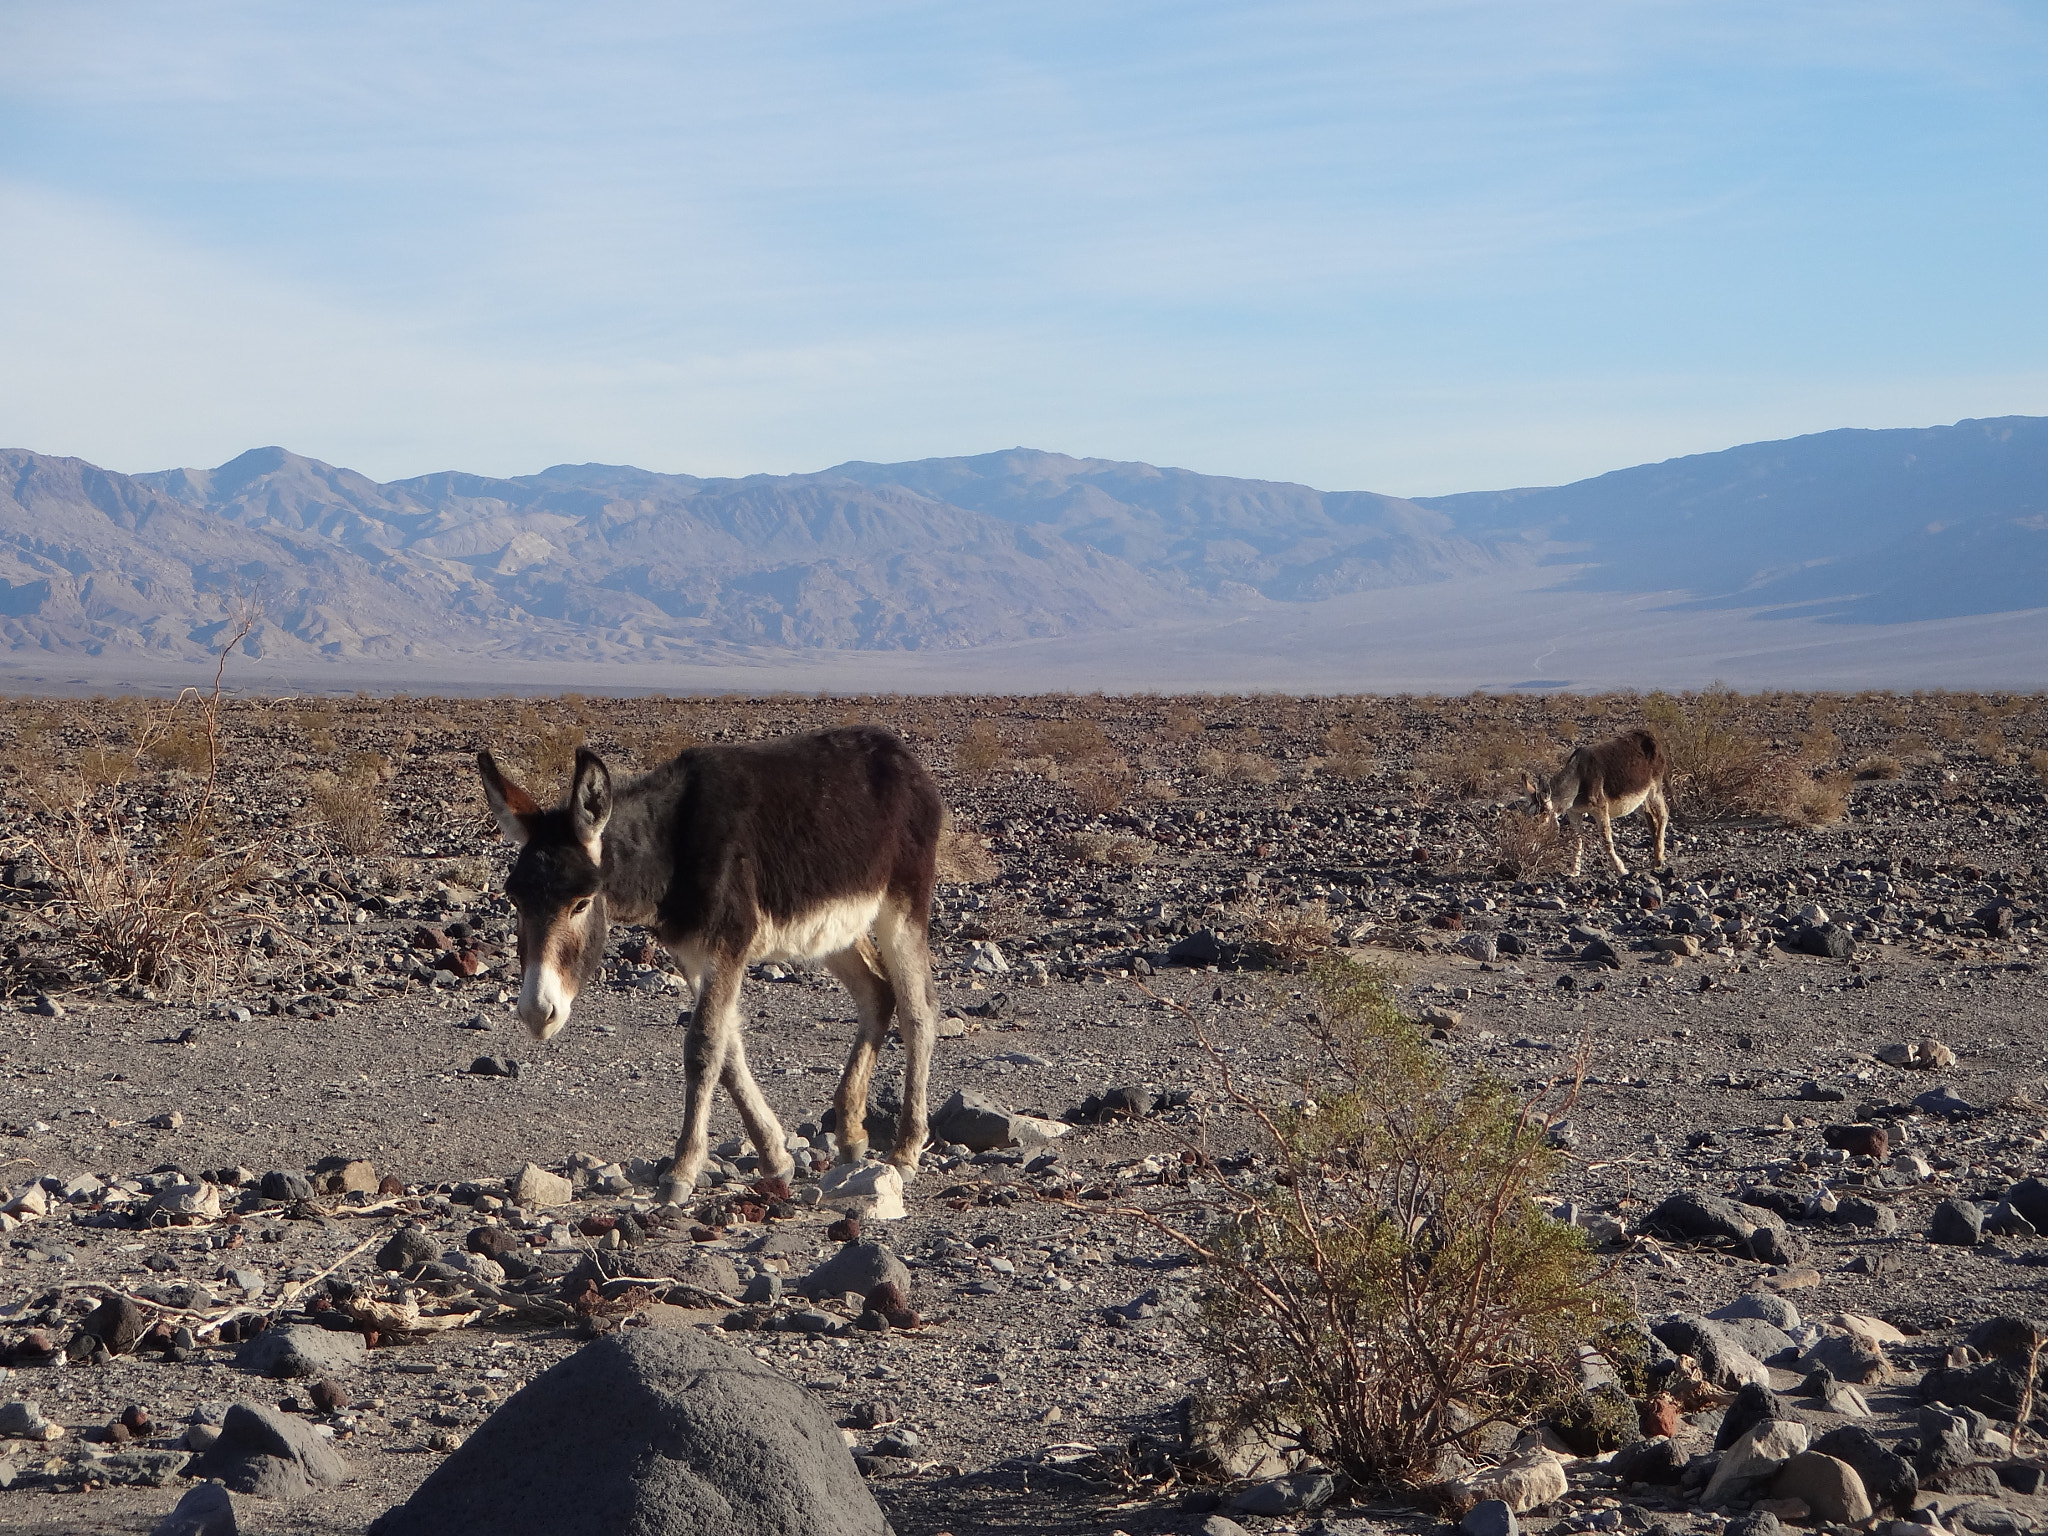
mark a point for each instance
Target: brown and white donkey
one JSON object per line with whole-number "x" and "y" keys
{"x": 821, "y": 847}
{"x": 1615, "y": 779}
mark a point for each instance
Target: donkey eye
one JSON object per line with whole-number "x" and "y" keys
{"x": 580, "y": 908}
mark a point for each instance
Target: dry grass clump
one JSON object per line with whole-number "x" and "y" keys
{"x": 1071, "y": 741}
{"x": 182, "y": 747}
{"x": 1880, "y": 766}
{"x": 1181, "y": 722}
{"x": 1101, "y": 787}
{"x": 1718, "y": 769}
{"x": 2038, "y": 761}
{"x": 1820, "y": 802}
{"x": 102, "y": 767}
{"x": 1486, "y": 763}
{"x": 1292, "y": 936}
{"x": 1346, "y": 753}
{"x": 1994, "y": 748}
{"x": 1386, "y": 1287}
{"x": 349, "y": 810}
{"x": 1523, "y": 846}
{"x": 1108, "y": 848}
{"x": 964, "y": 857}
{"x": 1236, "y": 767}
{"x": 978, "y": 753}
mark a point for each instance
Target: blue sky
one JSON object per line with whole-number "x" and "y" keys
{"x": 1413, "y": 248}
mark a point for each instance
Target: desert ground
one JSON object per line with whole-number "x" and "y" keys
{"x": 1134, "y": 884}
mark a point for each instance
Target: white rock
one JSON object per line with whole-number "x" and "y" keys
{"x": 873, "y": 1190}
{"x": 1534, "y": 1478}
{"x": 535, "y": 1186}
{"x": 1763, "y": 1449}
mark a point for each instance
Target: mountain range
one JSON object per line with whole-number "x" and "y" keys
{"x": 598, "y": 566}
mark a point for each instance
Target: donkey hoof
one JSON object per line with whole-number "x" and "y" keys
{"x": 673, "y": 1192}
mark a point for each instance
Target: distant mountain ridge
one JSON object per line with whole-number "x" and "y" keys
{"x": 596, "y": 564}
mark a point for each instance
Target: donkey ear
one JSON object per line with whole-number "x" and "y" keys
{"x": 511, "y": 805}
{"x": 1529, "y": 782}
{"x": 590, "y": 801}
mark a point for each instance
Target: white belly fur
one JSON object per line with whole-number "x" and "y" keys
{"x": 1626, "y": 805}
{"x": 824, "y": 930}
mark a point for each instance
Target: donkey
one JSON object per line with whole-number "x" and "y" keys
{"x": 794, "y": 849}
{"x": 1614, "y": 779}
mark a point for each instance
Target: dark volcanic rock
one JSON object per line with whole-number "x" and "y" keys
{"x": 1889, "y": 1479}
{"x": 1959, "y": 1223}
{"x": 269, "y": 1454}
{"x": 656, "y": 1431}
{"x": 1692, "y": 1217}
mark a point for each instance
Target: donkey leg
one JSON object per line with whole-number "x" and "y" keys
{"x": 1578, "y": 825}
{"x": 906, "y": 955}
{"x": 1607, "y": 837}
{"x": 1660, "y": 818}
{"x": 714, "y": 1026}
{"x": 763, "y": 1129}
{"x": 873, "y": 1001}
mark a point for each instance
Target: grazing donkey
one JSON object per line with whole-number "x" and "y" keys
{"x": 785, "y": 850}
{"x": 1614, "y": 779}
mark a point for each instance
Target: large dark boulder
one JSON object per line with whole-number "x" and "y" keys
{"x": 649, "y": 1432}
{"x": 1888, "y": 1478}
{"x": 269, "y": 1454}
{"x": 1715, "y": 1222}
{"x": 1723, "y": 1357}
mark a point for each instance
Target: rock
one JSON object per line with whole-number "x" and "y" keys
{"x": 269, "y": 1454}
{"x": 1197, "y": 949}
{"x": 1830, "y": 1488}
{"x": 1603, "y": 954}
{"x": 118, "y": 1323}
{"x": 533, "y": 1185}
{"x": 858, "y": 1268}
{"x": 1723, "y": 1359}
{"x": 651, "y": 1430}
{"x": 1660, "y": 1417}
{"x": 1523, "y": 1483}
{"x": 1939, "y": 1101}
{"x": 1222, "y": 1525}
{"x": 1759, "y": 1522}
{"x": 1661, "y": 1460}
{"x": 705, "y": 1268}
{"x": 408, "y": 1246}
{"x": 207, "y": 1510}
{"x": 282, "y": 1184}
{"x": 1858, "y": 1140}
{"x": 298, "y": 1350}
{"x": 1483, "y": 947}
{"x": 345, "y": 1176}
{"x": 1959, "y": 1223}
{"x": 1764, "y": 1307}
{"x": 1302, "y": 1492}
{"x": 1710, "y": 1220}
{"x": 198, "y": 1201}
{"x": 1995, "y": 1387}
{"x": 2029, "y": 1198}
{"x": 1752, "y": 1405}
{"x": 1924, "y": 1054}
{"x": 1490, "y": 1517}
{"x": 978, "y": 1123}
{"x": 2002, "y": 1338}
{"x": 1830, "y": 941}
{"x": 872, "y": 1190}
{"x": 1945, "y": 1444}
{"x": 1888, "y": 1479}
{"x": 23, "y": 1420}
{"x": 169, "y": 1120}
{"x": 1753, "y": 1458}
{"x": 1846, "y": 1357}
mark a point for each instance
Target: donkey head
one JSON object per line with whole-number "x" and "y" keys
{"x": 1537, "y": 798}
{"x": 557, "y": 884}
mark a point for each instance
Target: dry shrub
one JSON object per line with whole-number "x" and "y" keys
{"x": 964, "y": 857}
{"x": 1182, "y": 722}
{"x": 1071, "y": 741}
{"x": 1346, "y": 753}
{"x": 548, "y": 757}
{"x": 1880, "y": 766}
{"x": 1101, "y": 787}
{"x": 182, "y": 747}
{"x": 350, "y": 813}
{"x": 2038, "y": 761}
{"x": 1820, "y": 802}
{"x": 1717, "y": 769}
{"x": 1820, "y": 746}
{"x": 101, "y": 768}
{"x": 169, "y": 915}
{"x": 1159, "y": 789}
{"x": 1107, "y": 848}
{"x": 1392, "y": 1289}
{"x": 1292, "y": 936}
{"x": 1488, "y": 763}
{"x": 1527, "y": 847}
{"x": 1912, "y": 744}
{"x": 978, "y": 753}
{"x": 1994, "y": 748}
{"x": 1236, "y": 767}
